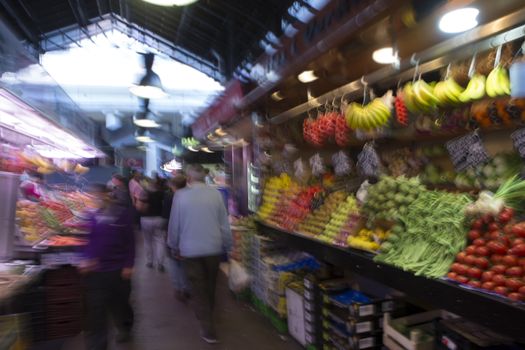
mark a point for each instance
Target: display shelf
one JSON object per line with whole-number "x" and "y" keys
{"x": 496, "y": 313}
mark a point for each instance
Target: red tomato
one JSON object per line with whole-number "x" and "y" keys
{"x": 504, "y": 217}
{"x": 487, "y": 276}
{"x": 522, "y": 290}
{"x": 454, "y": 267}
{"x": 482, "y": 251}
{"x": 474, "y": 283}
{"x": 509, "y": 260}
{"x": 514, "y": 271}
{"x": 496, "y": 259}
{"x": 501, "y": 290}
{"x": 499, "y": 280}
{"x": 477, "y": 224}
{"x": 487, "y": 218}
{"x": 462, "y": 269}
{"x": 493, "y": 227}
{"x": 494, "y": 235}
{"x": 508, "y": 211}
{"x": 516, "y": 296}
{"x": 482, "y": 263}
{"x": 474, "y": 272}
{"x": 488, "y": 285}
{"x": 471, "y": 249}
{"x": 474, "y": 234}
{"x": 452, "y": 275}
{"x": 462, "y": 279}
{"x": 521, "y": 262}
{"x": 519, "y": 230}
{"x": 519, "y": 250}
{"x": 497, "y": 247}
{"x": 518, "y": 241}
{"x": 461, "y": 257}
{"x": 514, "y": 284}
{"x": 470, "y": 260}
{"x": 479, "y": 242}
{"x": 498, "y": 269}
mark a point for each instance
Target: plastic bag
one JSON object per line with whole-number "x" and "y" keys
{"x": 238, "y": 278}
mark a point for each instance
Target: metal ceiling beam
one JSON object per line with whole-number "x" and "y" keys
{"x": 461, "y": 46}
{"x": 28, "y": 32}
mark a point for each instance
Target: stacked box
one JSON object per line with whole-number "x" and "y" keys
{"x": 312, "y": 311}
{"x": 353, "y": 320}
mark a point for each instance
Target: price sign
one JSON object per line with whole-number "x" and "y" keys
{"x": 368, "y": 161}
{"x": 518, "y": 138}
{"x": 467, "y": 151}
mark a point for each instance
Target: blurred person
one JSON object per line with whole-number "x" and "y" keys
{"x": 199, "y": 234}
{"x": 180, "y": 281}
{"x": 108, "y": 266}
{"x": 153, "y": 227}
{"x": 137, "y": 192}
{"x": 119, "y": 190}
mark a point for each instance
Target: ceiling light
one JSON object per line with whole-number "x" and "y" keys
{"x": 143, "y": 135}
{"x": 148, "y": 87}
{"x": 221, "y": 132}
{"x": 145, "y": 120}
{"x": 171, "y": 2}
{"x": 193, "y": 149}
{"x": 459, "y": 20}
{"x": 307, "y": 76}
{"x": 277, "y": 96}
{"x": 384, "y": 55}
{"x": 206, "y": 149}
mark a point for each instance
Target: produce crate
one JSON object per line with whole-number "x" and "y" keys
{"x": 411, "y": 338}
{"x": 462, "y": 334}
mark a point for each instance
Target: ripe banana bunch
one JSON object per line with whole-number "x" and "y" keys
{"x": 475, "y": 89}
{"x": 448, "y": 92}
{"x": 371, "y": 116}
{"x": 498, "y": 83}
{"x": 419, "y": 97}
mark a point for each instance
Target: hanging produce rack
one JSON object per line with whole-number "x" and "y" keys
{"x": 494, "y": 312}
{"x": 461, "y": 46}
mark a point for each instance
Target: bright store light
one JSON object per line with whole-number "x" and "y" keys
{"x": 384, "y": 55}
{"x": 277, "y": 96}
{"x": 145, "y": 121}
{"x": 193, "y": 149}
{"x": 143, "y": 135}
{"x": 221, "y": 132}
{"x": 459, "y": 20}
{"x": 307, "y": 76}
{"x": 172, "y": 165}
{"x": 171, "y": 2}
{"x": 207, "y": 150}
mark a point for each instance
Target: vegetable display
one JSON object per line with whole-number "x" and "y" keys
{"x": 429, "y": 234}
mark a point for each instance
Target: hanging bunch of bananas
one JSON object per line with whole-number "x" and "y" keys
{"x": 475, "y": 89}
{"x": 371, "y": 116}
{"x": 498, "y": 83}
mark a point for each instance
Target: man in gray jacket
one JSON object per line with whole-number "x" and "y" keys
{"x": 199, "y": 234}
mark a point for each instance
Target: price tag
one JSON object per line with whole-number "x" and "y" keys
{"x": 366, "y": 343}
{"x": 518, "y": 138}
{"x": 367, "y": 310}
{"x": 363, "y": 327}
{"x": 467, "y": 151}
{"x": 368, "y": 161}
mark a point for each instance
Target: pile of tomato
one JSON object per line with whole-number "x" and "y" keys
{"x": 326, "y": 128}
{"x": 494, "y": 260}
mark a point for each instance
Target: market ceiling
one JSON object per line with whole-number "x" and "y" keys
{"x": 214, "y": 36}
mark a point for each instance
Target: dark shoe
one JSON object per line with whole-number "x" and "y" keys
{"x": 123, "y": 337}
{"x": 149, "y": 265}
{"x": 161, "y": 268}
{"x": 209, "y": 338}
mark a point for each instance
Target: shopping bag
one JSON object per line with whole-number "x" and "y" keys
{"x": 238, "y": 278}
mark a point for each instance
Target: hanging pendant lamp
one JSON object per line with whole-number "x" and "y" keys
{"x": 149, "y": 85}
{"x": 143, "y": 135}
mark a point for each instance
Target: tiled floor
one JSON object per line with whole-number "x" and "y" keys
{"x": 165, "y": 324}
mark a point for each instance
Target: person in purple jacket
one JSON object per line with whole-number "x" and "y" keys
{"x": 108, "y": 265}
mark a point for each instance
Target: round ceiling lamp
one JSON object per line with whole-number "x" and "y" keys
{"x": 385, "y": 55}
{"x": 145, "y": 120}
{"x": 171, "y": 2}
{"x": 143, "y": 135}
{"x": 459, "y": 20}
{"x": 149, "y": 87}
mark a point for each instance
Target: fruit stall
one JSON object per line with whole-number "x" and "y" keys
{"x": 412, "y": 176}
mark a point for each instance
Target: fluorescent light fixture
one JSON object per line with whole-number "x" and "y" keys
{"x": 143, "y": 135}
{"x": 171, "y": 2}
{"x": 277, "y": 96}
{"x": 307, "y": 76}
{"x": 459, "y": 20}
{"x": 384, "y": 55}
{"x": 207, "y": 150}
{"x": 145, "y": 120}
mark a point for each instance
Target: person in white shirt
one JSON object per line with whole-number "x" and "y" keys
{"x": 199, "y": 235}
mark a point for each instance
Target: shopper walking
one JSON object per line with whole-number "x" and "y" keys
{"x": 108, "y": 265}
{"x": 119, "y": 190}
{"x": 153, "y": 227}
{"x": 199, "y": 233}
{"x": 180, "y": 281}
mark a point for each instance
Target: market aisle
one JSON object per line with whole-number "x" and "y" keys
{"x": 165, "y": 324}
